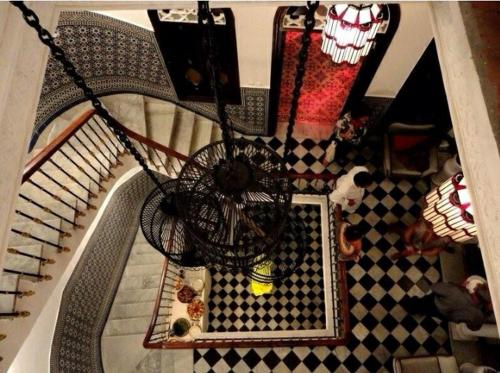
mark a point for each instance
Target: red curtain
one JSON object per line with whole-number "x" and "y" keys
{"x": 324, "y": 92}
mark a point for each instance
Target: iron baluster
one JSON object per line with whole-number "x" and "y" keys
{"x": 57, "y": 198}
{"x": 28, "y": 274}
{"x": 67, "y": 190}
{"x": 115, "y": 156}
{"x": 101, "y": 176}
{"x": 103, "y": 130}
{"x": 11, "y": 250}
{"x": 72, "y": 178}
{"x": 110, "y": 162}
{"x": 36, "y": 238}
{"x": 46, "y": 38}
{"x": 39, "y": 221}
{"x": 94, "y": 156}
{"x": 82, "y": 170}
{"x": 46, "y": 209}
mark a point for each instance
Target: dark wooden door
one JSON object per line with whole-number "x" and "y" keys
{"x": 185, "y": 57}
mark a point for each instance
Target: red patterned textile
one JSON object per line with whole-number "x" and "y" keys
{"x": 325, "y": 90}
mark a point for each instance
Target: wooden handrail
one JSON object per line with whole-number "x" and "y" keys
{"x": 153, "y": 144}
{"x": 38, "y": 160}
{"x": 156, "y": 308}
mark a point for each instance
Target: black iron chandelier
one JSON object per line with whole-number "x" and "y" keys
{"x": 230, "y": 205}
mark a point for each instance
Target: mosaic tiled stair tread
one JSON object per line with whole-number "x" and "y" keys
{"x": 296, "y": 302}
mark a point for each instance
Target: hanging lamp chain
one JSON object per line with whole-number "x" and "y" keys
{"x": 206, "y": 21}
{"x": 309, "y": 23}
{"x": 46, "y": 38}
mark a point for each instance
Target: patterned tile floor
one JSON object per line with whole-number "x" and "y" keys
{"x": 296, "y": 303}
{"x": 381, "y": 329}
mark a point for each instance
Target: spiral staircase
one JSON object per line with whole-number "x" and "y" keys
{"x": 74, "y": 164}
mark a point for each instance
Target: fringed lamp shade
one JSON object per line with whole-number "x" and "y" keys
{"x": 449, "y": 210}
{"x": 350, "y": 31}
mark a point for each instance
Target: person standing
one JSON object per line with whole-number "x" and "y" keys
{"x": 350, "y": 242}
{"x": 350, "y": 238}
{"x": 349, "y": 130}
{"x": 350, "y": 188}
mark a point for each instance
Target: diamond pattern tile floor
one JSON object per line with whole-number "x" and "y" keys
{"x": 296, "y": 303}
{"x": 381, "y": 328}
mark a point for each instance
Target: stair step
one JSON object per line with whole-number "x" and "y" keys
{"x": 35, "y": 230}
{"x": 143, "y": 269}
{"x": 88, "y": 171}
{"x": 160, "y": 120}
{"x": 137, "y": 325}
{"x": 183, "y": 134}
{"x": 31, "y": 190}
{"x": 94, "y": 169}
{"x": 99, "y": 161}
{"x": 136, "y": 296}
{"x": 55, "y": 206}
{"x": 43, "y": 215}
{"x": 23, "y": 263}
{"x": 7, "y": 282}
{"x": 140, "y": 259}
{"x": 59, "y": 176}
{"x": 128, "y": 109}
{"x": 202, "y": 133}
{"x": 7, "y": 303}
{"x": 92, "y": 140}
{"x": 140, "y": 282}
{"x": 216, "y": 133}
{"x": 55, "y": 128}
{"x": 143, "y": 248}
{"x": 140, "y": 239}
{"x": 132, "y": 310}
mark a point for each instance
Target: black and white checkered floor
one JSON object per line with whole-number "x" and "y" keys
{"x": 296, "y": 302}
{"x": 381, "y": 329}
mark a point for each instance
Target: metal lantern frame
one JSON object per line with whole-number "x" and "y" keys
{"x": 449, "y": 210}
{"x": 232, "y": 198}
{"x": 350, "y": 31}
{"x": 226, "y": 220}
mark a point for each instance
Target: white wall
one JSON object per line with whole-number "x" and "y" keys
{"x": 412, "y": 37}
{"x": 136, "y": 17}
{"x": 254, "y": 35}
{"x": 479, "y": 153}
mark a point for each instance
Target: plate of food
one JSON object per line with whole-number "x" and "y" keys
{"x": 198, "y": 285}
{"x": 195, "y": 331}
{"x": 186, "y": 294}
{"x": 196, "y": 309}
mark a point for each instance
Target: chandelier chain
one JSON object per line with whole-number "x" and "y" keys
{"x": 57, "y": 52}
{"x": 309, "y": 23}
{"x": 206, "y": 20}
